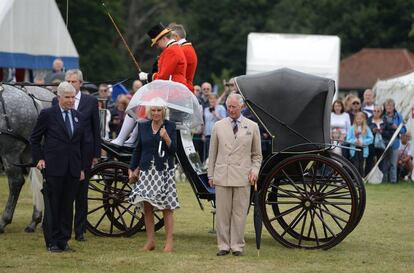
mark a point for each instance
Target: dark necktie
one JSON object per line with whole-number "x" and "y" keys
{"x": 235, "y": 126}
{"x": 67, "y": 123}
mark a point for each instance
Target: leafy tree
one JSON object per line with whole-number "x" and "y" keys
{"x": 219, "y": 29}
{"x": 102, "y": 56}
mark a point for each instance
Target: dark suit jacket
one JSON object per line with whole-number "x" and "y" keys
{"x": 147, "y": 147}
{"x": 88, "y": 106}
{"x": 62, "y": 154}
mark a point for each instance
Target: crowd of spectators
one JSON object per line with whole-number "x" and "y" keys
{"x": 361, "y": 133}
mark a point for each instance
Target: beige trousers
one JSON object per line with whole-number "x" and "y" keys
{"x": 231, "y": 212}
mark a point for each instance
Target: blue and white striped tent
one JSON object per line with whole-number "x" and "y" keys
{"x": 33, "y": 34}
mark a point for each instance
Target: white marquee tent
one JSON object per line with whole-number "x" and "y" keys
{"x": 33, "y": 34}
{"x": 314, "y": 54}
{"x": 401, "y": 90}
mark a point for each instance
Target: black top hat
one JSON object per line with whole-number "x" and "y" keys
{"x": 157, "y": 32}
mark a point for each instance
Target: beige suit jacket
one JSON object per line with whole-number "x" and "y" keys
{"x": 231, "y": 158}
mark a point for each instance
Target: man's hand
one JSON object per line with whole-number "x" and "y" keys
{"x": 143, "y": 76}
{"x": 94, "y": 161}
{"x": 41, "y": 164}
{"x": 252, "y": 177}
{"x": 82, "y": 176}
{"x": 211, "y": 183}
{"x": 133, "y": 175}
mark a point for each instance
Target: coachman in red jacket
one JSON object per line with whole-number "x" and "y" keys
{"x": 179, "y": 34}
{"x": 172, "y": 63}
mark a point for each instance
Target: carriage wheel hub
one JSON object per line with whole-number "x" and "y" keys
{"x": 308, "y": 204}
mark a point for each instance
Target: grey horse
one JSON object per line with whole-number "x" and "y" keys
{"x": 19, "y": 108}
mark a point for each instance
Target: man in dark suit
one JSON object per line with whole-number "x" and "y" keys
{"x": 88, "y": 106}
{"x": 58, "y": 145}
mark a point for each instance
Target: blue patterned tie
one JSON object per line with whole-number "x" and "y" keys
{"x": 235, "y": 126}
{"x": 67, "y": 123}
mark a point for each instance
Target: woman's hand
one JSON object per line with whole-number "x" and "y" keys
{"x": 164, "y": 135}
{"x": 133, "y": 175}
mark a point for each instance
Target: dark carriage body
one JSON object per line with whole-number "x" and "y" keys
{"x": 293, "y": 107}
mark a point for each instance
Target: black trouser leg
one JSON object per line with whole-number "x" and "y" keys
{"x": 81, "y": 206}
{"x": 70, "y": 189}
{"x": 61, "y": 195}
{"x": 358, "y": 161}
{"x": 369, "y": 163}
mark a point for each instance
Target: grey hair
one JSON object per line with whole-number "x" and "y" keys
{"x": 65, "y": 87}
{"x": 178, "y": 29}
{"x": 74, "y": 72}
{"x": 235, "y": 96}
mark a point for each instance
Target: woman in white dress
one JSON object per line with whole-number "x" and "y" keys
{"x": 340, "y": 124}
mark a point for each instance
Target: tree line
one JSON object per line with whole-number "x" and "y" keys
{"x": 218, "y": 29}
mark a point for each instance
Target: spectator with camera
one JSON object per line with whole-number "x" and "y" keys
{"x": 206, "y": 91}
{"x": 229, "y": 87}
{"x": 212, "y": 114}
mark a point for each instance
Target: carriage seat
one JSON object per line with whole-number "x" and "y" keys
{"x": 122, "y": 153}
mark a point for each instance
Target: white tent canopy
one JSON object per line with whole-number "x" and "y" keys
{"x": 314, "y": 54}
{"x": 401, "y": 90}
{"x": 33, "y": 34}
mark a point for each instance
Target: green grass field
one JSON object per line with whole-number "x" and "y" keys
{"x": 383, "y": 242}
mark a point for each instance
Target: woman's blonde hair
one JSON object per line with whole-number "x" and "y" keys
{"x": 364, "y": 123}
{"x": 164, "y": 111}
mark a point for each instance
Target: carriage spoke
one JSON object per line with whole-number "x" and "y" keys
{"x": 294, "y": 222}
{"x": 324, "y": 229}
{"x": 286, "y": 191}
{"x": 336, "y": 203}
{"x": 338, "y": 207}
{"x": 121, "y": 217}
{"x": 95, "y": 209}
{"x": 95, "y": 188}
{"x": 132, "y": 214}
{"x": 332, "y": 214}
{"x": 111, "y": 229}
{"x": 100, "y": 220}
{"x": 97, "y": 198}
{"x": 293, "y": 183}
{"x": 302, "y": 175}
{"x": 314, "y": 173}
{"x": 283, "y": 202}
{"x": 303, "y": 228}
{"x": 313, "y": 227}
{"x": 324, "y": 185}
{"x": 336, "y": 221}
{"x": 324, "y": 224}
{"x": 286, "y": 212}
{"x": 333, "y": 190}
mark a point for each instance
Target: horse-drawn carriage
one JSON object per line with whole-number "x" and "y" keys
{"x": 309, "y": 197}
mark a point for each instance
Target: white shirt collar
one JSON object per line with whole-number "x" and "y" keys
{"x": 78, "y": 96}
{"x": 181, "y": 41}
{"x": 238, "y": 120}
{"x": 170, "y": 42}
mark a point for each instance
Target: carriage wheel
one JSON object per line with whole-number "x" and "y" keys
{"x": 358, "y": 182}
{"x": 109, "y": 213}
{"x": 308, "y": 201}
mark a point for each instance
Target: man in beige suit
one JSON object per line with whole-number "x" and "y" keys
{"x": 234, "y": 162}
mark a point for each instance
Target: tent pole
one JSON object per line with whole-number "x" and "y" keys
{"x": 67, "y": 13}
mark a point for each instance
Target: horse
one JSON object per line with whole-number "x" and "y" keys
{"x": 19, "y": 109}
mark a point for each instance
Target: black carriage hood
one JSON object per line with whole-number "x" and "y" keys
{"x": 300, "y": 101}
